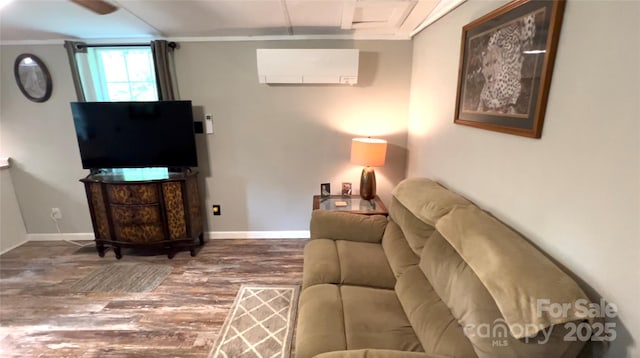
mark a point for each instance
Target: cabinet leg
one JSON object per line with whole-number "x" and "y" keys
{"x": 100, "y": 248}
{"x": 118, "y": 253}
{"x": 201, "y": 239}
{"x": 192, "y": 251}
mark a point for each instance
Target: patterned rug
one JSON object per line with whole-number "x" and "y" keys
{"x": 260, "y": 323}
{"x": 123, "y": 277}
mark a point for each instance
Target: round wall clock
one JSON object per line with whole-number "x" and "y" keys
{"x": 32, "y": 77}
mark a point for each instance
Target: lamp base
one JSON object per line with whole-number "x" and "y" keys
{"x": 368, "y": 183}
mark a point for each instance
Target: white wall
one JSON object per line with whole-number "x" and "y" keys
{"x": 272, "y": 147}
{"x": 274, "y": 144}
{"x": 12, "y": 230}
{"x": 41, "y": 140}
{"x": 576, "y": 191}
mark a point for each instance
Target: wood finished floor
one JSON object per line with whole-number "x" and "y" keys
{"x": 40, "y": 317}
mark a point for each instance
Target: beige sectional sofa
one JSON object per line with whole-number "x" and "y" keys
{"x": 438, "y": 278}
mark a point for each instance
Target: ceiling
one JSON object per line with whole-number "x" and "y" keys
{"x": 24, "y": 21}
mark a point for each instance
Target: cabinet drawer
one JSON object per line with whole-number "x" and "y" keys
{"x": 133, "y": 194}
{"x": 139, "y": 233}
{"x": 136, "y": 214}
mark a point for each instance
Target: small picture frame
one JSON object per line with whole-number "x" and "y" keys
{"x": 346, "y": 189}
{"x": 325, "y": 190}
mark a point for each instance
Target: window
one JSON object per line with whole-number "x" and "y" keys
{"x": 117, "y": 74}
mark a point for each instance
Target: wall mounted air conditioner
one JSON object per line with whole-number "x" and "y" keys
{"x": 308, "y": 65}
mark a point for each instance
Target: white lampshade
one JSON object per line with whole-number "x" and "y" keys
{"x": 368, "y": 151}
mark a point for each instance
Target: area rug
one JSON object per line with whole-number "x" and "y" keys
{"x": 260, "y": 323}
{"x": 123, "y": 277}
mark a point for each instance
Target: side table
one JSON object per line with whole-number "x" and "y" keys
{"x": 355, "y": 205}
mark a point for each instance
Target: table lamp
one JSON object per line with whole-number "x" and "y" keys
{"x": 370, "y": 153}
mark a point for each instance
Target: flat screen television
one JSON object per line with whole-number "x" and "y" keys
{"x": 135, "y": 134}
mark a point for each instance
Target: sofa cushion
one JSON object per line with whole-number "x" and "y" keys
{"x": 320, "y": 325}
{"x": 435, "y": 326}
{"x": 426, "y": 199}
{"x": 397, "y": 250}
{"x": 346, "y": 262}
{"x": 321, "y": 263}
{"x": 516, "y": 274}
{"x": 364, "y": 264}
{"x": 457, "y": 285}
{"x": 374, "y": 318}
{"x": 416, "y": 232}
{"x": 346, "y": 226}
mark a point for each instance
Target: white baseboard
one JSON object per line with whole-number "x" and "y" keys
{"x": 74, "y": 236}
{"x": 213, "y": 235}
{"x": 291, "y": 234}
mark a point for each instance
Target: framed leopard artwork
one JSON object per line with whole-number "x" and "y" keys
{"x": 506, "y": 63}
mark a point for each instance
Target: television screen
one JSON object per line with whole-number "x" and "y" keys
{"x": 135, "y": 134}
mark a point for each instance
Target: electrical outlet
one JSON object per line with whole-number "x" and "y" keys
{"x": 216, "y": 210}
{"x": 56, "y": 214}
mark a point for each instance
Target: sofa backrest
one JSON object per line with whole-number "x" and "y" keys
{"x": 427, "y": 200}
{"x": 516, "y": 275}
{"x": 416, "y": 206}
{"x": 432, "y": 321}
{"x": 476, "y": 311}
{"x": 460, "y": 286}
{"x": 416, "y": 232}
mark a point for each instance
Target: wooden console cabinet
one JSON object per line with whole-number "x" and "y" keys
{"x": 163, "y": 213}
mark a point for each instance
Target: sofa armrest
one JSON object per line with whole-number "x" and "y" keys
{"x": 337, "y": 225}
{"x": 376, "y": 353}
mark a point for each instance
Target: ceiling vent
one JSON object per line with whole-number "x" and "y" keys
{"x": 375, "y": 16}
